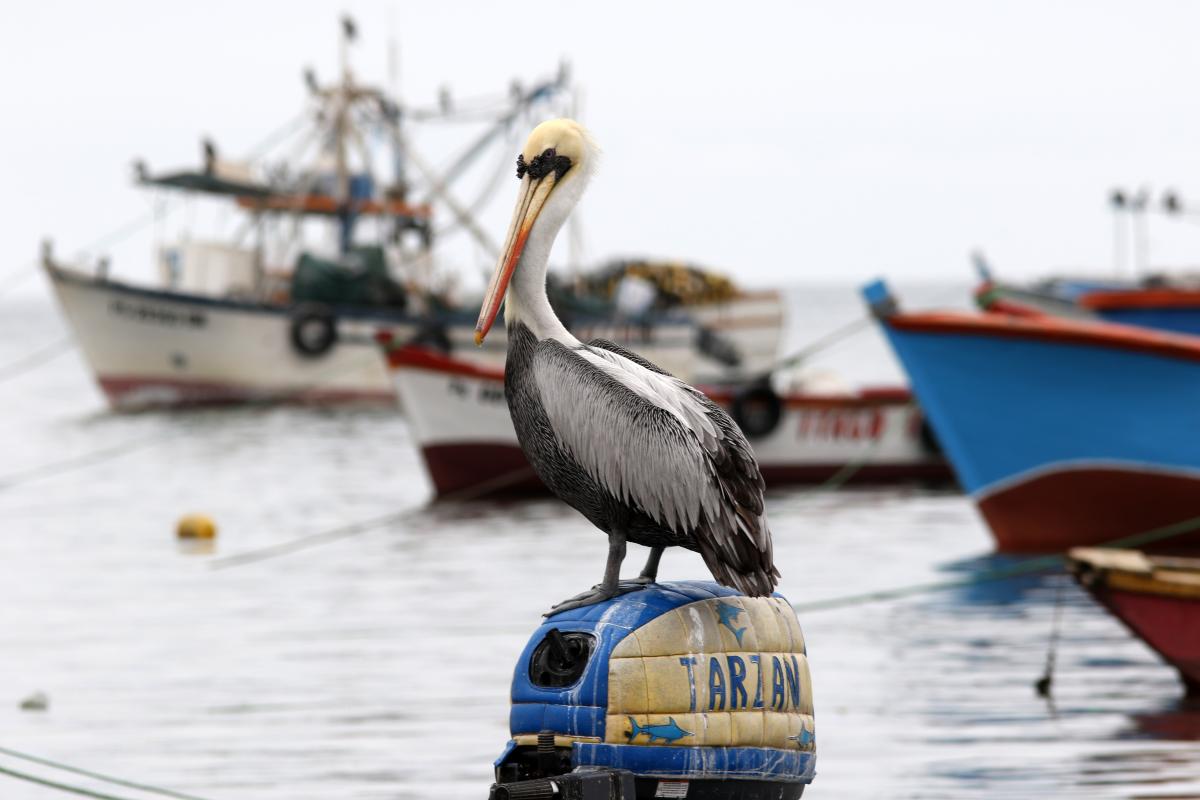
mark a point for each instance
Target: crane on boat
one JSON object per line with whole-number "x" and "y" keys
{"x": 645, "y": 457}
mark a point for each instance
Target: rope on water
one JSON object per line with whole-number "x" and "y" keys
{"x": 351, "y": 529}
{"x": 15, "y": 277}
{"x": 97, "y": 775}
{"x": 80, "y": 790}
{"x": 105, "y": 454}
{"x": 503, "y": 481}
{"x": 62, "y": 787}
{"x": 1032, "y": 566}
{"x": 37, "y": 358}
{"x": 1044, "y": 685}
{"x": 99, "y": 456}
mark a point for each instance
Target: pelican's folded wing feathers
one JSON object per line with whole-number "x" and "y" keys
{"x": 658, "y": 444}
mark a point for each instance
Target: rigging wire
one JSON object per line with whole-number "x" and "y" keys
{"x": 268, "y": 143}
{"x": 439, "y": 188}
{"x": 823, "y": 342}
{"x": 87, "y": 774}
{"x": 485, "y": 195}
{"x": 835, "y": 336}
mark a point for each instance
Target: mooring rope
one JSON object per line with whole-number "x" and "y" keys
{"x": 109, "y": 453}
{"x": 1031, "y": 566}
{"x": 1044, "y": 686}
{"x": 46, "y": 762}
{"x": 84, "y": 792}
{"x": 822, "y": 342}
{"x": 99, "y": 456}
{"x": 62, "y": 787}
{"x": 348, "y": 530}
{"x": 35, "y": 359}
{"x": 835, "y": 481}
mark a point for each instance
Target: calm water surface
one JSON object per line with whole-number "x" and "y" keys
{"x": 378, "y": 666}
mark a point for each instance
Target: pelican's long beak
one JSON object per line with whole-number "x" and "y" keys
{"x": 534, "y": 192}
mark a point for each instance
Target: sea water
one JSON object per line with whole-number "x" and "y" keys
{"x": 377, "y": 665}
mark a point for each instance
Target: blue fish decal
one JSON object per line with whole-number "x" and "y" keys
{"x": 802, "y": 738}
{"x": 671, "y": 732}
{"x": 728, "y": 615}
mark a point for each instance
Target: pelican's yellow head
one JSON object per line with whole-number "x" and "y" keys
{"x": 557, "y": 158}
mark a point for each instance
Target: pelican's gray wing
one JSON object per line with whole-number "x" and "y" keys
{"x": 659, "y": 445}
{"x": 613, "y": 347}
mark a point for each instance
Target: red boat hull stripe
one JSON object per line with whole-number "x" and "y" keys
{"x": 422, "y": 358}
{"x": 461, "y": 467}
{"x": 1141, "y": 298}
{"x": 122, "y": 390}
{"x": 1051, "y": 329}
{"x": 1055, "y": 511}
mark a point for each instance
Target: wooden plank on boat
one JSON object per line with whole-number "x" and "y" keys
{"x": 1109, "y": 558}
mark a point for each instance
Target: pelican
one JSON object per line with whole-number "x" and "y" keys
{"x": 644, "y": 456}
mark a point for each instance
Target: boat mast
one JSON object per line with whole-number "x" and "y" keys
{"x": 340, "y": 132}
{"x": 392, "y": 106}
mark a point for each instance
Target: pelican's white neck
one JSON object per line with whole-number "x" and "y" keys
{"x": 527, "y": 301}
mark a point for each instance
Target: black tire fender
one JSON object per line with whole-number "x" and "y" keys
{"x": 757, "y": 410}
{"x": 313, "y": 329}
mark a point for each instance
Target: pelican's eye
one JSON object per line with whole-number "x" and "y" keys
{"x": 540, "y": 166}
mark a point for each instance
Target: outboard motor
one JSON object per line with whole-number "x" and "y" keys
{"x": 678, "y": 690}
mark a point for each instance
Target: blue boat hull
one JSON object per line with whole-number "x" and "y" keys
{"x": 1065, "y": 433}
{"x": 1175, "y": 320}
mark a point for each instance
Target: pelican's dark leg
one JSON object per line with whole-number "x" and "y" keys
{"x": 612, "y": 569}
{"x": 650, "y": 571}
{"x": 611, "y": 586}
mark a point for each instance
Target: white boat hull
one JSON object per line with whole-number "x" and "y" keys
{"x": 152, "y": 348}
{"x": 459, "y": 418}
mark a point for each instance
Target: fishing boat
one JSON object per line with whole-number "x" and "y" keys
{"x": 1014, "y": 300}
{"x": 153, "y": 348}
{"x": 1161, "y": 307}
{"x": 286, "y": 311}
{"x": 1156, "y": 303}
{"x": 1173, "y": 308}
{"x": 329, "y": 248}
{"x": 1065, "y": 432}
{"x": 459, "y": 419}
{"x": 1156, "y": 597}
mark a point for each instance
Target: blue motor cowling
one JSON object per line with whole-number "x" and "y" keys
{"x": 692, "y": 688}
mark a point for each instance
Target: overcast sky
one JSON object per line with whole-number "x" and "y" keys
{"x": 781, "y": 142}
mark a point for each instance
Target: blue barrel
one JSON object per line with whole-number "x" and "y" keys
{"x": 679, "y": 682}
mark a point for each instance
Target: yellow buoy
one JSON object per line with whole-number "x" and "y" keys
{"x": 196, "y": 526}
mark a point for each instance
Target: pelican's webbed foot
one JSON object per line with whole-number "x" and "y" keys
{"x": 597, "y": 594}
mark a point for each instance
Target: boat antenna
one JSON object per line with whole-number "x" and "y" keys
{"x": 392, "y": 106}
{"x": 341, "y": 125}
{"x": 1118, "y": 202}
